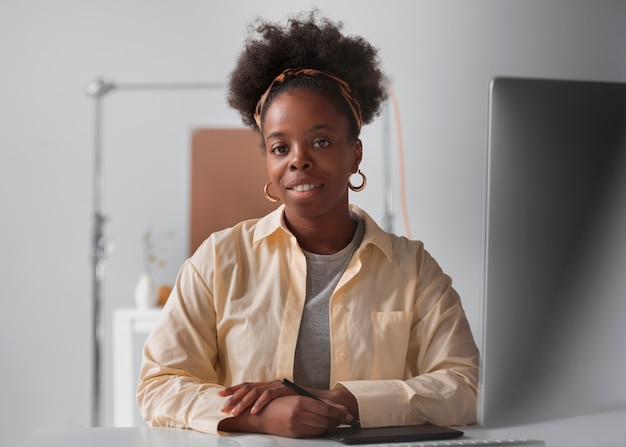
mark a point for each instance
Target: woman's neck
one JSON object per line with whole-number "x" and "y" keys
{"x": 322, "y": 235}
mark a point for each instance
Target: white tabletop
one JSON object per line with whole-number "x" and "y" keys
{"x": 156, "y": 437}
{"x": 159, "y": 437}
{"x": 599, "y": 430}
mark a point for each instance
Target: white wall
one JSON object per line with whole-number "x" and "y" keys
{"x": 440, "y": 56}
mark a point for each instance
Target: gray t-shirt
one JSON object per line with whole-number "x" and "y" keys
{"x": 312, "y": 359}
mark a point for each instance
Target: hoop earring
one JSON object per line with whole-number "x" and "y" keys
{"x": 268, "y": 196}
{"x": 361, "y": 187}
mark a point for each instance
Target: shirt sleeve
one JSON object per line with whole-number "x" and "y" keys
{"x": 443, "y": 357}
{"x": 178, "y": 378}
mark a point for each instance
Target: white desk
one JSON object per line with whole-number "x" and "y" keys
{"x": 127, "y": 324}
{"x": 598, "y": 430}
{"x": 163, "y": 437}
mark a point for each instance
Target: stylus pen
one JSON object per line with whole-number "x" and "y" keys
{"x": 302, "y": 392}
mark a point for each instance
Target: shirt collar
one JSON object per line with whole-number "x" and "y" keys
{"x": 374, "y": 235}
{"x": 270, "y": 224}
{"x": 274, "y": 223}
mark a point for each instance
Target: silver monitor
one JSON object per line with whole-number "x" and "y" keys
{"x": 555, "y": 256}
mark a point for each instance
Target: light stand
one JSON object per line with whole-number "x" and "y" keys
{"x": 100, "y": 245}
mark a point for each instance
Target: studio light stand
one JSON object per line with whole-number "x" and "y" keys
{"x": 101, "y": 247}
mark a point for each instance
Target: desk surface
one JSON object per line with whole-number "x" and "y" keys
{"x": 598, "y": 430}
{"x": 162, "y": 437}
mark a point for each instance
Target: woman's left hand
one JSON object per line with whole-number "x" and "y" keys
{"x": 253, "y": 395}
{"x": 256, "y": 395}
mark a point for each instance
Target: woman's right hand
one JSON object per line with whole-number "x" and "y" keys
{"x": 289, "y": 416}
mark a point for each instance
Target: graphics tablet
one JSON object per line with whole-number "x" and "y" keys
{"x": 376, "y": 435}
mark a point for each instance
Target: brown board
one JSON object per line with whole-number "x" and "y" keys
{"x": 227, "y": 178}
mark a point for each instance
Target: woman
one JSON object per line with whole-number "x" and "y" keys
{"x": 314, "y": 292}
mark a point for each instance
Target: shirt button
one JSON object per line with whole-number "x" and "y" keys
{"x": 341, "y": 306}
{"x": 343, "y": 356}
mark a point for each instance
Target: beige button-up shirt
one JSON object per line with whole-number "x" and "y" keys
{"x": 400, "y": 341}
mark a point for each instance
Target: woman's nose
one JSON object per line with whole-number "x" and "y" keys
{"x": 299, "y": 158}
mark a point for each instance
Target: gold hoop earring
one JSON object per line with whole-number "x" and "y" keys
{"x": 361, "y": 187}
{"x": 268, "y": 196}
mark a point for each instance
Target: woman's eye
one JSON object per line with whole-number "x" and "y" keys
{"x": 321, "y": 143}
{"x": 278, "y": 150}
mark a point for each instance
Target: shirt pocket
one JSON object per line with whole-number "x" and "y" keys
{"x": 391, "y": 342}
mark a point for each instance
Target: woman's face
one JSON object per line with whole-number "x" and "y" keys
{"x": 309, "y": 154}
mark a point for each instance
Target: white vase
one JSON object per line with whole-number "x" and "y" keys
{"x": 145, "y": 297}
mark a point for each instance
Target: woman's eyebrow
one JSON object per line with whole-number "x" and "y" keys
{"x": 312, "y": 129}
{"x": 320, "y": 127}
{"x": 276, "y": 135}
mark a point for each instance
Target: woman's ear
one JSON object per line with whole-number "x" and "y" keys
{"x": 358, "y": 155}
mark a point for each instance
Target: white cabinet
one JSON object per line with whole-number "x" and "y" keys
{"x": 130, "y": 327}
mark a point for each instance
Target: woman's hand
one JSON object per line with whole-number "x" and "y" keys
{"x": 255, "y": 396}
{"x": 289, "y": 415}
{"x": 342, "y": 397}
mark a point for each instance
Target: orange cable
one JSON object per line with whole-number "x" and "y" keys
{"x": 396, "y": 109}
